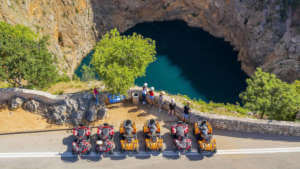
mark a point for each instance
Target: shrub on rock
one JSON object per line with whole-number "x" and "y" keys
{"x": 268, "y": 95}
{"x": 24, "y": 58}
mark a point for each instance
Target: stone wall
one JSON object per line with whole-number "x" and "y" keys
{"x": 248, "y": 125}
{"x": 70, "y": 108}
{"x": 77, "y": 107}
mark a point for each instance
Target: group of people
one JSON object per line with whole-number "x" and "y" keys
{"x": 150, "y": 92}
{"x": 172, "y": 105}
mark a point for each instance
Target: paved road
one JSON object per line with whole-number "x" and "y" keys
{"x": 269, "y": 161}
{"x": 55, "y": 142}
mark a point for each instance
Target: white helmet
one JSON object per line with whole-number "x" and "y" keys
{"x": 152, "y": 88}
{"x": 145, "y": 84}
{"x": 172, "y": 100}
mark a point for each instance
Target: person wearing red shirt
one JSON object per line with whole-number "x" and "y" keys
{"x": 96, "y": 95}
{"x": 151, "y": 96}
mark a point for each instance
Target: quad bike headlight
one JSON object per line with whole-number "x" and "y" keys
{"x": 99, "y": 142}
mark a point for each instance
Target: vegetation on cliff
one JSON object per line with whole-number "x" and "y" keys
{"x": 24, "y": 58}
{"x": 119, "y": 60}
{"x": 268, "y": 95}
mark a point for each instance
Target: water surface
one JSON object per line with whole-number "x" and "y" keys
{"x": 191, "y": 62}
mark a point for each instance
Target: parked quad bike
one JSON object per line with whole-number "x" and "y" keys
{"x": 203, "y": 132}
{"x": 180, "y": 136}
{"x": 81, "y": 143}
{"x": 128, "y": 137}
{"x": 153, "y": 139}
{"x": 104, "y": 140}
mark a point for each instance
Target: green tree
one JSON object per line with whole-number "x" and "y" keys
{"x": 297, "y": 86}
{"x": 119, "y": 60}
{"x": 24, "y": 58}
{"x": 268, "y": 95}
{"x": 88, "y": 73}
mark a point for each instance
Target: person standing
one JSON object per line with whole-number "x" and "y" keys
{"x": 161, "y": 100}
{"x": 151, "y": 96}
{"x": 172, "y": 107}
{"x": 186, "y": 112}
{"x": 144, "y": 93}
{"x": 96, "y": 95}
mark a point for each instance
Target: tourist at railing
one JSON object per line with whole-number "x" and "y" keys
{"x": 144, "y": 93}
{"x": 161, "y": 100}
{"x": 96, "y": 95}
{"x": 186, "y": 112}
{"x": 172, "y": 107}
{"x": 151, "y": 96}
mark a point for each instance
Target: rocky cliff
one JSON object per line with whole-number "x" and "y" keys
{"x": 266, "y": 33}
{"x": 70, "y": 108}
{"x": 68, "y": 23}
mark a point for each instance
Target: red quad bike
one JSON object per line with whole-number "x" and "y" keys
{"x": 180, "y": 136}
{"x": 81, "y": 143}
{"x": 104, "y": 142}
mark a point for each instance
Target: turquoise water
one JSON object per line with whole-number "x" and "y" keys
{"x": 191, "y": 62}
{"x": 164, "y": 75}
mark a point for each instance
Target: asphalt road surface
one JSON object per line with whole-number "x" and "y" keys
{"x": 235, "y": 150}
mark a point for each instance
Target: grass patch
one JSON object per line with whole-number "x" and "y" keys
{"x": 4, "y": 84}
{"x": 227, "y": 109}
{"x": 73, "y": 87}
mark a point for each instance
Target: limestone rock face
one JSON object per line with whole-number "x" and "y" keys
{"x": 266, "y": 33}
{"x": 16, "y": 103}
{"x": 68, "y": 23}
{"x": 72, "y": 108}
{"x": 31, "y": 106}
{"x": 58, "y": 113}
{"x": 95, "y": 111}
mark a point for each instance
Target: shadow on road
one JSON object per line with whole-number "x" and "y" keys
{"x": 256, "y": 136}
{"x": 66, "y": 157}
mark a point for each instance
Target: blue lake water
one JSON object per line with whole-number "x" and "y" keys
{"x": 190, "y": 61}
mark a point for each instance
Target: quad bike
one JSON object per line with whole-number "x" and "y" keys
{"x": 81, "y": 143}
{"x": 180, "y": 136}
{"x": 203, "y": 132}
{"x": 128, "y": 138}
{"x": 104, "y": 141}
{"x": 153, "y": 139}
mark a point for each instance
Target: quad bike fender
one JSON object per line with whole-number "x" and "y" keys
{"x": 154, "y": 145}
{"x": 210, "y": 131}
{"x": 186, "y": 129}
{"x": 88, "y": 131}
{"x": 173, "y": 130}
{"x": 122, "y": 130}
{"x": 129, "y": 146}
{"x": 196, "y": 129}
{"x": 74, "y": 132}
{"x": 211, "y": 146}
{"x": 105, "y": 148}
{"x": 146, "y": 129}
{"x": 134, "y": 127}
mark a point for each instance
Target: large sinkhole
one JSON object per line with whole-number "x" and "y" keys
{"x": 191, "y": 62}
